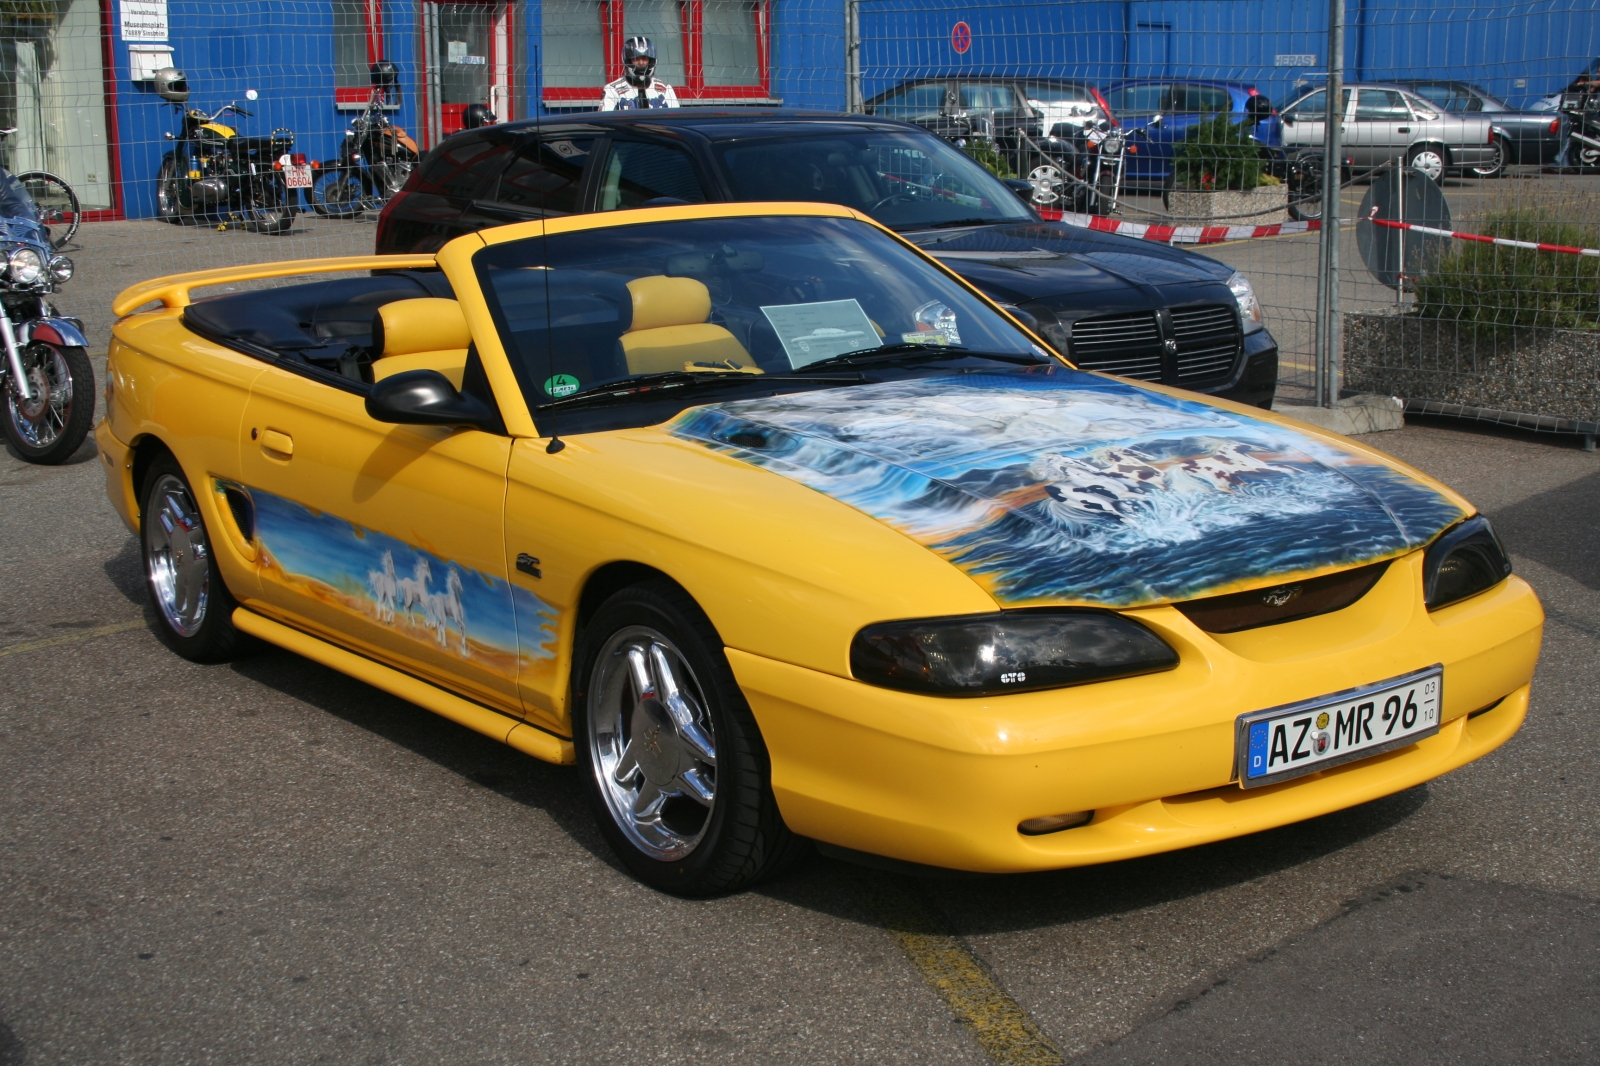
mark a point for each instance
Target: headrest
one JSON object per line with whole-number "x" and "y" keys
{"x": 663, "y": 301}
{"x": 425, "y": 324}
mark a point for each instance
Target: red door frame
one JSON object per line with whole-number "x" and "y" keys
{"x": 450, "y": 114}
{"x": 694, "y": 85}
{"x": 108, "y": 70}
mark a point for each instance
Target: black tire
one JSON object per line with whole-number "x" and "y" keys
{"x": 57, "y": 204}
{"x": 194, "y": 618}
{"x": 337, "y": 193}
{"x": 51, "y": 425}
{"x": 274, "y": 221}
{"x": 1421, "y": 159}
{"x": 741, "y": 838}
{"x": 1305, "y": 188}
{"x": 167, "y": 206}
{"x": 1498, "y": 167}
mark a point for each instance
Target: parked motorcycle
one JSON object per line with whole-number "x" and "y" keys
{"x": 375, "y": 159}
{"x": 1583, "y": 113}
{"x": 1092, "y": 153}
{"x": 46, "y": 377}
{"x": 214, "y": 173}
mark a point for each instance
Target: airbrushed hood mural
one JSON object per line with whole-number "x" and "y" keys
{"x": 1057, "y": 486}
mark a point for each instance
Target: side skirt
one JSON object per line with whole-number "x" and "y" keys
{"x": 519, "y": 735}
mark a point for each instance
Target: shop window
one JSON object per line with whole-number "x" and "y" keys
{"x": 358, "y": 42}
{"x": 706, "y": 49}
{"x": 53, "y": 90}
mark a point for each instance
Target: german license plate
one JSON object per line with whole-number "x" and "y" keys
{"x": 1301, "y": 738}
{"x": 297, "y": 177}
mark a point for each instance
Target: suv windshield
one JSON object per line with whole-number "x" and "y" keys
{"x": 904, "y": 180}
{"x": 740, "y": 300}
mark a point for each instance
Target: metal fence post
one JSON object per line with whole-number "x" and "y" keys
{"x": 852, "y": 56}
{"x": 1328, "y": 334}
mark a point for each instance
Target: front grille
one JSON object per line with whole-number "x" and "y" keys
{"x": 1129, "y": 345}
{"x": 1208, "y": 341}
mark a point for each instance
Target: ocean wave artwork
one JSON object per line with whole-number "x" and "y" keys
{"x": 458, "y": 610}
{"x": 1054, "y": 486}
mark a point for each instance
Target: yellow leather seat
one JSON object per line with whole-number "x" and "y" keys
{"x": 670, "y": 331}
{"x": 422, "y": 334}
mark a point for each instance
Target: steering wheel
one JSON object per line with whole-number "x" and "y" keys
{"x": 891, "y": 198}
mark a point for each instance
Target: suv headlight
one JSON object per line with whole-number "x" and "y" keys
{"x": 1008, "y": 651}
{"x": 1249, "y": 306}
{"x": 25, "y": 267}
{"x": 1466, "y": 559}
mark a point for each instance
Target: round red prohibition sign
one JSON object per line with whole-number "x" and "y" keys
{"x": 961, "y": 37}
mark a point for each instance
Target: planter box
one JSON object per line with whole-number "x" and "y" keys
{"x": 1550, "y": 374}
{"x": 1271, "y": 200}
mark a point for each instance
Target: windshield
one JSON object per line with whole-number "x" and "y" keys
{"x": 14, "y": 199}
{"x": 904, "y": 180}
{"x": 745, "y": 298}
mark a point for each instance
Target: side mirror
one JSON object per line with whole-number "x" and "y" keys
{"x": 425, "y": 398}
{"x": 1023, "y": 189}
{"x": 1155, "y": 122}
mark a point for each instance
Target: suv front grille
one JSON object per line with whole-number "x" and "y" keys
{"x": 1208, "y": 341}
{"x": 1129, "y": 345}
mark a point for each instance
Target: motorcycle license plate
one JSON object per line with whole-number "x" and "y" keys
{"x": 1287, "y": 742}
{"x": 297, "y": 177}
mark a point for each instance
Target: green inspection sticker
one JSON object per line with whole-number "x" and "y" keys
{"x": 561, "y": 385}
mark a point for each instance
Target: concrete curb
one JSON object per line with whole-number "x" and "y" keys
{"x": 1367, "y": 413}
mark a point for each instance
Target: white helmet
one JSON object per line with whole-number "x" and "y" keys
{"x": 171, "y": 84}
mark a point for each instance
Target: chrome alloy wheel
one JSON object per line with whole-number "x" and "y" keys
{"x": 1430, "y": 162}
{"x": 40, "y": 419}
{"x": 654, "y": 749}
{"x": 1047, "y": 182}
{"x": 177, "y": 556}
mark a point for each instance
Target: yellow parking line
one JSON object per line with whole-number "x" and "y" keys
{"x": 1003, "y": 1029}
{"x": 72, "y": 638}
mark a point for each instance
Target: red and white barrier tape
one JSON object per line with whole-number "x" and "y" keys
{"x": 1502, "y": 241}
{"x": 1149, "y": 231}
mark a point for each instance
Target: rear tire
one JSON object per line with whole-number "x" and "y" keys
{"x": 194, "y": 610}
{"x": 1305, "y": 189}
{"x": 1502, "y": 153}
{"x": 672, "y": 760}
{"x": 51, "y": 425}
{"x": 167, "y": 208}
{"x": 1429, "y": 159}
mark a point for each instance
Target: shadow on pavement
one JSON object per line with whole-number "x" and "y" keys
{"x": 1556, "y": 529}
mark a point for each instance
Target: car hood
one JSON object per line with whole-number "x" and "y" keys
{"x": 1055, "y": 486}
{"x": 1074, "y": 267}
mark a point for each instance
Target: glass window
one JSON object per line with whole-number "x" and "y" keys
{"x": 1137, "y": 99}
{"x": 1314, "y": 106}
{"x": 52, "y": 90}
{"x": 913, "y": 103}
{"x": 772, "y": 294}
{"x": 901, "y": 179}
{"x": 988, "y": 97}
{"x": 1381, "y": 105}
{"x": 574, "y": 47}
{"x": 357, "y": 42}
{"x": 728, "y": 47}
{"x": 546, "y": 177}
{"x": 637, "y": 171}
{"x": 1197, "y": 100}
{"x": 465, "y": 171}
{"x": 1060, "y": 94}
{"x": 1441, "y": 96}
{"x": 662, "y": 22}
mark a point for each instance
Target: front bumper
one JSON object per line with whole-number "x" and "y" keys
{"x": 117, "y": 462}
{"x": 945, "y": 782}
{"x": 1255, "y": 381}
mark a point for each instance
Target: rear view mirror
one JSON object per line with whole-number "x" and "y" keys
{"x": 1155, "y": 122}
{"x": 425, "y": 398}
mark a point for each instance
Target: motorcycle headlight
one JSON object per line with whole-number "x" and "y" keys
{"x": 60, "y": 269}
{"x": 1009, "y": 651}
{"x": 1249, "y": 306}
{"x": 1466, "y": 560}
{"x": 25, "y": 267}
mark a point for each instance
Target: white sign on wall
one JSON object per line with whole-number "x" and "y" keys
{"x": 144, "y": 20}
{"x": 1294, "y": 61}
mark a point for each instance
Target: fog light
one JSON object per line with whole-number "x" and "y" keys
{"x": 1054, "y": 823}
{"x": 60, "y": 269}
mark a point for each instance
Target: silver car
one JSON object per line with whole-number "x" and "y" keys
{"x": 1382, "y": 122}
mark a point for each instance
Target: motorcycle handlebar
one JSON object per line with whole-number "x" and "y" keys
{"x": 236, "y": 109}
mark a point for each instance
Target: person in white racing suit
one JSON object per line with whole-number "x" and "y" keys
{"x": 638, "y": 87}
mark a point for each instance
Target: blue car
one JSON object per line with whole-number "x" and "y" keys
{"x": 1181, "y": 105}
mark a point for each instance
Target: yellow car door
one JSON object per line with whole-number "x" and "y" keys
{"x": 384, "y": 538}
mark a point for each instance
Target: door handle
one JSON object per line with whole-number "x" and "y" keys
{"x": 1402, "y": 129}
{"x": 276, "y": 444}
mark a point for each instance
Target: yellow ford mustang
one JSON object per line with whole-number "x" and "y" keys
{"x": 781, "y": 532}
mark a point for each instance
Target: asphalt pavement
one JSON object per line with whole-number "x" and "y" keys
{"x": 267, "y": 862}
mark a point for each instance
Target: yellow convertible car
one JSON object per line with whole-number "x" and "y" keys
{"x": 783, "y": 533}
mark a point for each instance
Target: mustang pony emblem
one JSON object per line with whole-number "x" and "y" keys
{"x": 1281, "y": 596}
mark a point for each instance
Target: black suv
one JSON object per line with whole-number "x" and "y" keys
{"x": 1108, "y": 303}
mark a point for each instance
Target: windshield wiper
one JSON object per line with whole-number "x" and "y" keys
{"x": 911, "y": 353}
{"x": 675, "y": 379}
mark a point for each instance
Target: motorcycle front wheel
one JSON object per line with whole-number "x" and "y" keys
{"x": 388, "y": 176}
{"x": 167, "y": 208}
{"x": 50, "y": 425}
{"x": 337, "y": 193}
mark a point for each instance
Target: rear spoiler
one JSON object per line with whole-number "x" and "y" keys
{"x": 173, "y": 290}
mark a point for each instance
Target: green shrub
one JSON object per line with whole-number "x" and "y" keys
{"x": 992, "y": 160}
{"x": 1217, "y": 154}
{"x": 1492, "y": 287}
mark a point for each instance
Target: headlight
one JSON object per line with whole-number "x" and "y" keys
{"x": 1466, "y": 560}
{"x": 1009, "y": 651}
{"x": 1249, "y": 306}
{"x": 60, "y": 269}
{"x": 25, "y": 267}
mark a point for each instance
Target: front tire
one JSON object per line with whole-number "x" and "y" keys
{"x": 167, "y": 206}
{"x": 1428, "y": 159}
{"x": 338, "y": 193}
{"x": 672, "y": 760}
{"x": 49, "y": 426}
{"x": 194, "y": 610}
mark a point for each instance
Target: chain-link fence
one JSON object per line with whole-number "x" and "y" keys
{"x": 1188, "y": 123}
